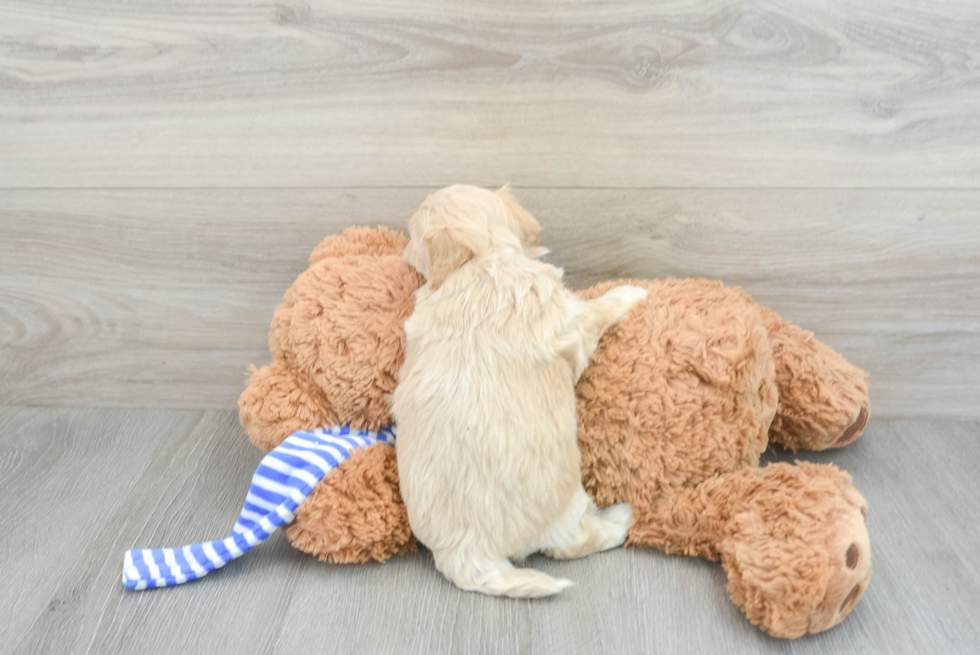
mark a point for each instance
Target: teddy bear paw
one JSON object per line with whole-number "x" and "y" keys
{"x": 852, "y": 573}
{"x": 796, "y": 548}
{"x": 854, "y": 430}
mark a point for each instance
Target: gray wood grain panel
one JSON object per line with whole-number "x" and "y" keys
{"x": 162, "y": 298}
{"x": 693, "y": 93}
{"x": 166, "y": 168}
{"x": 87, "y": 484}
{"x": 63, "y": 473}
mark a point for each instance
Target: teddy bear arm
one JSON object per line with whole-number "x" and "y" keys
{"x": 277, "y": 402}
{"x": 356, "y": 513}
{"x": 823, "y": 398}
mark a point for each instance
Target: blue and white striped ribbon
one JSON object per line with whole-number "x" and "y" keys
{"x": 283, "y": 480}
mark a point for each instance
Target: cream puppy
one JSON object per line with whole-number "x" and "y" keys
{"x": 487, "y": 438}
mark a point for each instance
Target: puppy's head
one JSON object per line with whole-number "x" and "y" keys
{"x": 460, "y": 223}
{"x": 520, "y": 221}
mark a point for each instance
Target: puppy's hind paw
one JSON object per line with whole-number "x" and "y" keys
{"x": 616, "y": 521}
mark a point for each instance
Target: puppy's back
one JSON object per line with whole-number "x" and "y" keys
{"x": 486, "y": 410}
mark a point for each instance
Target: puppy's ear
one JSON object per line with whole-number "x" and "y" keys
{"x": 529, "y": 227}
{"x": 451, "y": 247}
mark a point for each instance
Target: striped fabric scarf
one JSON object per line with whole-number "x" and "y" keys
{"x": 283, "y": 480}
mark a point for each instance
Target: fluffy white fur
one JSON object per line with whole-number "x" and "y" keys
{"x": 487, "y": 438}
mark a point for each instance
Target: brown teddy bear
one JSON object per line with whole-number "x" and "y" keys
{"x": 676, "y": 407}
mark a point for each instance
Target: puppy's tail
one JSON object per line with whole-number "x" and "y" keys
{"x": 500, "y": 578}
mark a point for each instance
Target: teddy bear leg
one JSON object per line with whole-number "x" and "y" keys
{"x": 277, "y": 402}
{"x": 356, "y": 512}
{"x": 823, "y": 398}
{"x": 796, "y": 549}
{"x": 792, "y": 539}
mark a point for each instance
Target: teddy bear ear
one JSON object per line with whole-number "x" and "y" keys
{"x": 528, "y": 225}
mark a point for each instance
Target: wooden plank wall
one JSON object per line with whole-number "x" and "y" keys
{"x": 166, "y": 168}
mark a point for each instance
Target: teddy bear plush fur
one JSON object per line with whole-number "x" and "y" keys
{"x": 675, "y": 409}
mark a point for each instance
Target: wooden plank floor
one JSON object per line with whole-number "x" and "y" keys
{"x": 167, "y": 166}
{"x": 80, "y": 486}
